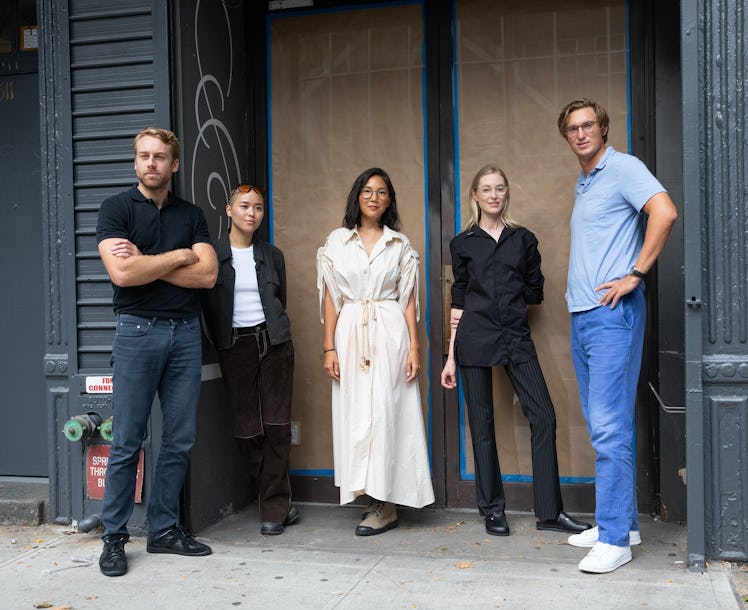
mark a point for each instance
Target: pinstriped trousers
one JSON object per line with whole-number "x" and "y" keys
{"x": 529, "y": 385}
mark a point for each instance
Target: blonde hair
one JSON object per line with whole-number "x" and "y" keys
{"x": 166, "y": 136}
{"x": 475, "y": 212}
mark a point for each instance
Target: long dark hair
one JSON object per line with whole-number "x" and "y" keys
{"x": 352, "y": 216}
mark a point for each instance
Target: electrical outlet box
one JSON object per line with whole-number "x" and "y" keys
{"x": 295, "y": 433}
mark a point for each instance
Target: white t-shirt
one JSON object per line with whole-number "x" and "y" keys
{"x": 247, "y": 304}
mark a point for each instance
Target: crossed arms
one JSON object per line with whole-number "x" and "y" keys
{"x": 195, "y": 267}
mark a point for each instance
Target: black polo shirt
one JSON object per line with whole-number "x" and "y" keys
{"x": 493, "y": 284}
{"x": 177, "y": 224}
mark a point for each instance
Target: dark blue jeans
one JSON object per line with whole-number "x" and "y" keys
{"x": 149, "y": 356}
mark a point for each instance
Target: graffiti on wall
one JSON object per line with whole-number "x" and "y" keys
{"x": 218, "y": 107}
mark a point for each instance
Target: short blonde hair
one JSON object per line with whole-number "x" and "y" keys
{"x": 166, "y": 136}
{"x": 475, "y": 212}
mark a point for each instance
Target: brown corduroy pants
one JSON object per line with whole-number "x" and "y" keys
{"x": 259, "y": 378}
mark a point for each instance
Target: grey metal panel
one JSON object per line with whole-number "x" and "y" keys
{"x": 22, "y": 399}
{"x": 715, "y": 170}
{"x": 99, "y": 102}
{"x": 670, "y": 282}
{"x": 728, "y": 431}
{"x": 112, "y": 51}
{"x": 212, "y": 105}
{"x": 692, "y": 83}
{"x": 112, "y": 77}
{"x": 60, "y": 336}
{"x": 110, "y": 26}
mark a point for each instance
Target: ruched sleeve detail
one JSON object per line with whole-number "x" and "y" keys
{"x": 326, "y": 280}
{"x": 408, "y": 280}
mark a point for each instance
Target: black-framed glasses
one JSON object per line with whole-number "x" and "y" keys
{"x": 248, "y": 188}
{"x": 368, "y": 193}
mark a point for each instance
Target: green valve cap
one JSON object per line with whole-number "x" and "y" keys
{"x": 105, "y": 429}
{"x": 74, "y": 430}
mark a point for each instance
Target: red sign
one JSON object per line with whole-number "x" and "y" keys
{"x": 97, "y": 458}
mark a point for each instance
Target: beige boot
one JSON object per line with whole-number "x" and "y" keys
{"x": 383, "y": 517}
{"x": 373, "y": 504}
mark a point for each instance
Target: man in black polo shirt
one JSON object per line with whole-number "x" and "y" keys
{"x": 157, "y": 252}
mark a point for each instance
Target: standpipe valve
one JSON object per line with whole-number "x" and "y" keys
{"x": 105, "y": 429}
{"x": 82, "y": 426}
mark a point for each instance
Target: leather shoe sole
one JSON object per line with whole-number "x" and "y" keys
{"x": 271, "y": 528}
{"x": 496, "y": 525}
{"x": 563, "y": 523}
{"x": 274, "y": 528}
{"x": 292, "y": 516}
{"x": 363, "y": 530}
{"x": 176, "y": 542}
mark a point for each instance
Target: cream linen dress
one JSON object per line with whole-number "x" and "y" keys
{"x": 379, "y": 444}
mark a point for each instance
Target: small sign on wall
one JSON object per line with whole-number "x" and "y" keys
{"x": 29, "y": 38}
{"x": 99, "y": 384}
{"x": 97, "y": 458}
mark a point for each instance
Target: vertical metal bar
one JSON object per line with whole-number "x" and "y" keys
{"x": 692, "y": 60}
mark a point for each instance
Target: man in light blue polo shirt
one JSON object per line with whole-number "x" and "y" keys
{"x": 620, "y": 223}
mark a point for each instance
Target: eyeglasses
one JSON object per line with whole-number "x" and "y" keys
{"x": 487, "y": 190}
{"x": 248, "y": 188}
{"x": 367, "y": 193}
{"x": 573, "y": 130}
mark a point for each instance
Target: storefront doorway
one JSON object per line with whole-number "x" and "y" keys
{"x": 350, "y": 89}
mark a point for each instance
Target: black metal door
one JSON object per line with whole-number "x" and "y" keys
{"x": 23, "y": 442}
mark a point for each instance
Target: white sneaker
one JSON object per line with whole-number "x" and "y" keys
{"x": 588, "y": 538}
{"x": 604, "y": 558}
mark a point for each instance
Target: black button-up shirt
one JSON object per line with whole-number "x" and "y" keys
{"x": 493, "y": 284}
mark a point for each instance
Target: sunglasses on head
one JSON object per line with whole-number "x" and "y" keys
{"x": 247, "y": 188}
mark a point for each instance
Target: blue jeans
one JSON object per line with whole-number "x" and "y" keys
{"x": 151, "y": 355}
{"x": 606, "y": 346}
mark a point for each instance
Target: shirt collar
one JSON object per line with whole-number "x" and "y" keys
{"x": 138, "y": 196}
{"x": 584, "y": 178}
{"x": 609, "y": 152}
{"x": 476, "y": 231}
{"x": 388, "y": 233}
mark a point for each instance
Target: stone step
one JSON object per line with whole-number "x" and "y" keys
{"x": 23, "y": 502}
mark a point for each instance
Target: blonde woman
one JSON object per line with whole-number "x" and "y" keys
{"x": 496, "y": 266}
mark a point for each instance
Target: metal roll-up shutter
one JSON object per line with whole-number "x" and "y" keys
{"x": 118, "y": 53}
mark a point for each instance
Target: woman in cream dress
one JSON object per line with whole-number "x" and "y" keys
{"x": 368, "y": 285}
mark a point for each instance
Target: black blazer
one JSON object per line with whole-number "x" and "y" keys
{"x": 218, "y": 302}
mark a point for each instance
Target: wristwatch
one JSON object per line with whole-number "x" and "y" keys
{"x": 636, "y": 273}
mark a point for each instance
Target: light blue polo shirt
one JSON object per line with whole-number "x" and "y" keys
{"x": 607, "y": 225}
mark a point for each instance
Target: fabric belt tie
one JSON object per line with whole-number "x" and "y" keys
{"x": 368, "y": 312}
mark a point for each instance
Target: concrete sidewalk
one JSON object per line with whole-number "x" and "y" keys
{"x": 434, "y": 559}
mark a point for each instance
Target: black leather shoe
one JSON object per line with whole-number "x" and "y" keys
{"x": 174, "y": 540}
{"x": 273, "y": 528}
{"x": 563, "y": 523}
{"x": 496, "y": 525}
{"x": 292, "y": 516}
{"x": 113, "y": 561}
